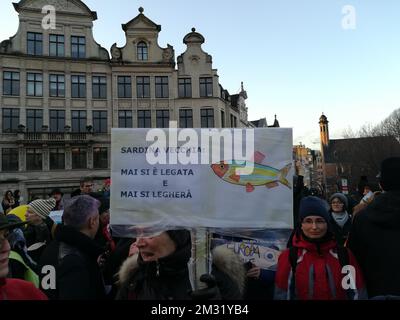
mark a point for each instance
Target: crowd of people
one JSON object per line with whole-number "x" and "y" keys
{"x": 338, "y": 250}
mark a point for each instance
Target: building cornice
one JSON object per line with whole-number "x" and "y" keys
{"x": 93, "y": 14}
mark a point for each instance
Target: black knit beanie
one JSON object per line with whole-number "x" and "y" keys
{"x": 313, "y": 206}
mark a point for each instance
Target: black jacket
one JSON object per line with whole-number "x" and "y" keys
{"x": 74, "y": 256}
{"x": 168, "y": 279}
{"x": 299, "y": 192}
{"x": 36, "y": 234}
{"x": 341, "y": 234}
{"x": 375, "y": 241}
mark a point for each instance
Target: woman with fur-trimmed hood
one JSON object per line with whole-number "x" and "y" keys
{"x": 159, "y": 271}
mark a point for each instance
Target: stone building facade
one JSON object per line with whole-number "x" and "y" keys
{"x": 61, "y": 93}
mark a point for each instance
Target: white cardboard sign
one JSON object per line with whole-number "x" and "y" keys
{"x": 202, "y": 195}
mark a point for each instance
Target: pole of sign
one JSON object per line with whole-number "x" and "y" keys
{"x": 200, "y": 261}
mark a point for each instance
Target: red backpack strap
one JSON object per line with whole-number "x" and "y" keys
{"x": 293, "y": 256}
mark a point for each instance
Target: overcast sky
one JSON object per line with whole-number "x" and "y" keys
{"x": 294, "y": 56}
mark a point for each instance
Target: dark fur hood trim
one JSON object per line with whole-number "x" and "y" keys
{"x": 223, "y": 258}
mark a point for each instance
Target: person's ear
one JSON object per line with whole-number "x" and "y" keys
{"x": 92, "y": 222}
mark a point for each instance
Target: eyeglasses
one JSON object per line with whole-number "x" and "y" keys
{"x": 318, "y": 222}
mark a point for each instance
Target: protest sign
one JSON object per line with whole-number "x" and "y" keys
{"x": 206, "y": 191}
{"x": 262, "y": 247}
{"x": 56, "y": 216}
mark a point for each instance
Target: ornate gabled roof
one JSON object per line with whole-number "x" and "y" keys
{"x": 193, "y": 37}
{"x": 73, "y": 6}
{"x": 141, "y": 17}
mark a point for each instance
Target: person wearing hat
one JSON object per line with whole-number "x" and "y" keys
{"x": 21, "y": 265}
{"x": 13, "y": 289}
{"x": 312, "y": 268}
{"x": 374, "y": 237}
{"x": 340, "y": 219}
{"x": 39, "y": 210}
{"x": 38, "y": 233}
{"x": 106, "y": 188}
{"x": 159, "y": 271}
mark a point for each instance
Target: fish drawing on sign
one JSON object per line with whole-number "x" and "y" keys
{"x": 262, "y": 175}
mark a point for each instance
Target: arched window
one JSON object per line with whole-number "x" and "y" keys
{"x": 142, "y": 51}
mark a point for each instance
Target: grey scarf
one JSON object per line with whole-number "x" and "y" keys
{"x": 341, "y": 218}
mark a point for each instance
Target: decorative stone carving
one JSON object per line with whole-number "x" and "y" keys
{"x": 21, "y": 128}
{"x": 168, "y": 54}
{"x": 116, "y": 53}
{"x": 63, "y": 5}
{"x": 60, "y": 5}
{"x": 194, "y": 59}
{"x": 193, "y": 38}
{"x": 209, "y": 58}
{"x": 5, "y": 46}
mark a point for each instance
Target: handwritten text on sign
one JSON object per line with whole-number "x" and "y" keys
{"x": 215, "y": 194}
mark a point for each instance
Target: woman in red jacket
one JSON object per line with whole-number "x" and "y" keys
{"x": 315, "y": 267}
{"x": 13, "y": 289}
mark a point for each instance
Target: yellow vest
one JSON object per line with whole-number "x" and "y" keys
{"x": 29, "y": 275}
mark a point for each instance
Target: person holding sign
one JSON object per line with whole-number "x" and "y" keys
{"x": 159, "y": 271}
{"x": 315, "y": 267}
